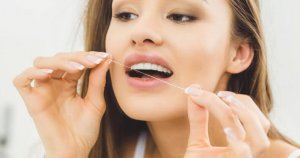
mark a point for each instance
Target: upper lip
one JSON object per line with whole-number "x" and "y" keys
{"x": 145, "y": 58}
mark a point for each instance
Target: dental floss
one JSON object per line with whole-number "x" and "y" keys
{"x": 165, "y": 82}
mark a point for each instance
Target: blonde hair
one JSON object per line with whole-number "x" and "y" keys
{"x": 254, "y": 81}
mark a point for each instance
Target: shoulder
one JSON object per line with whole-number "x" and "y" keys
{"x": 279, "y": 149}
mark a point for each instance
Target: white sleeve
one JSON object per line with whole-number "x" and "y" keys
{"x": 37, "y": 151}
{"x": 295, "y": 154}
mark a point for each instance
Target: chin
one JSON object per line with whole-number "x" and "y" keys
{"x": 154, "y": 108}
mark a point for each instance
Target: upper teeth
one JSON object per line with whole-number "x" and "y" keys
{"x": 149, "y": 66}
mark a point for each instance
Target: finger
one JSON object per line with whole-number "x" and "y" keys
{"x": 218, "y": 108}
{"x": 91, "y": 60}
{"x": 71, "y": 63}
{"x": 87, "y": 59}
{"x": 97, "y": 80}
{"x": 59, "y": 66}
{"x": 239, "y": 148}
{"x": 58, "y": 74}
{"x": 23, "y": 81}
{"x": 251, "y": 105}
{"x": 256, "y": 135}
{"x": 198, "y": 121}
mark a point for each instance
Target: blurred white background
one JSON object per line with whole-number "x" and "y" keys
{"x": 44, "y": 27}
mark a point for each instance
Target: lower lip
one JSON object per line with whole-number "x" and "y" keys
{"x": 145, "y": 83}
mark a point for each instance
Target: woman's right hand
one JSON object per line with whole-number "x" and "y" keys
{"x": 67, "y": 123}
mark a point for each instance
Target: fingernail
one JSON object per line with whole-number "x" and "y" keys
{"x": 228, "y": 96}
{"x": 193, "y": 90}
{"x": 76, "y": 65}
{"x": 95, "y": 59}
{"x": 231, "y": 137}
{"x": 224, "y": 94}
{"x": 101, "y": 54}
{"x": 231, "y": 99}
{"x": 48, "y": 71}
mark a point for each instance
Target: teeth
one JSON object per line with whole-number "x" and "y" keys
{"x": 150, "y": 66}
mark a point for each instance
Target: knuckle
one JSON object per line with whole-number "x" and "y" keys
{"x": 245, "y": 148}
{"x": 37, "y": 60}
{"x": 83, "y": 53}
{"x": 210, "y": 100}
{"x": 209, "y": 96}
{"x": 229, "y": 115}
{"x": 60, "y": 54}
{"x": 246, "y": 97}
{"x": 16, "y": 81}
{"x": 264, "y": 145}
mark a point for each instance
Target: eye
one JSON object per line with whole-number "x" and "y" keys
{"x": 181, "y": 18}
{"x": 125, "y": 16}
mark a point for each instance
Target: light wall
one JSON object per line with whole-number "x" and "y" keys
{"x": 44, "y": 27}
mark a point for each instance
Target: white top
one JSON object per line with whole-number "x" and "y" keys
{"x": 37, "y": 150}
{"x": 142, "y": 141}
{"x": 139, "y": 150}
{"x": 295, "y": 154}
{"x": 141, "y": 145}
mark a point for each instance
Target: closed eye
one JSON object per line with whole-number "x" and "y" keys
{"x": 178, "y": 18}
{"x": 181, "y": 18}
{"x": 125, "y": 16}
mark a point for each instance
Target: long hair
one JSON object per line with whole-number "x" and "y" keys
{"x": 254, "y": 81}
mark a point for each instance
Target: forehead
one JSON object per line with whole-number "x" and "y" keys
{"x": 217, "y": 8}
{"x": 206, "y": 4}
{"x": 193, "y": 2}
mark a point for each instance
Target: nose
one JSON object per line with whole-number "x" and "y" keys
{"x": 145, "y": 32}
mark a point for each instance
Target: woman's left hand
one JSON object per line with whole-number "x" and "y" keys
{"x": 244, "y": 124}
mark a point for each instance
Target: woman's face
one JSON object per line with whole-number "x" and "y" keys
{"x": 189, "y": 38}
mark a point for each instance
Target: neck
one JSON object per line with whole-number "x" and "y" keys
{"x": 170, "y": 137}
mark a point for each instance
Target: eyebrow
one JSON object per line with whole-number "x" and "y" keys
{"x": 202, "y": 3}
{"x": 118, "y": 3}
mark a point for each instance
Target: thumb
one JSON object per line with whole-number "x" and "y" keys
{"x": 97, "y": 80}
{"x": 198, "y": 119}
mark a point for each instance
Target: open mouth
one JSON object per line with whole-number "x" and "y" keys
{"x": 148, "y": 70}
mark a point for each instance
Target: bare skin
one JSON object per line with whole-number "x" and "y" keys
{"x": 277, "y": 148}
{"x": 69, "y": 125}
{"x": 73, "y": 122}
{"x": 62, "y": 118}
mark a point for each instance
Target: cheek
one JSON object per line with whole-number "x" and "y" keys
{"x": 113, "y": 42}
{"x": 118, "y": 39}
{"x": 202, "y": 57}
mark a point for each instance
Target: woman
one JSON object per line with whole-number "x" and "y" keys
{"x": 139, "y": 108}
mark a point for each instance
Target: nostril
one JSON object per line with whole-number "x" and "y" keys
{"x": 148, "y": 40}
{"x": 142, "y": 42}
